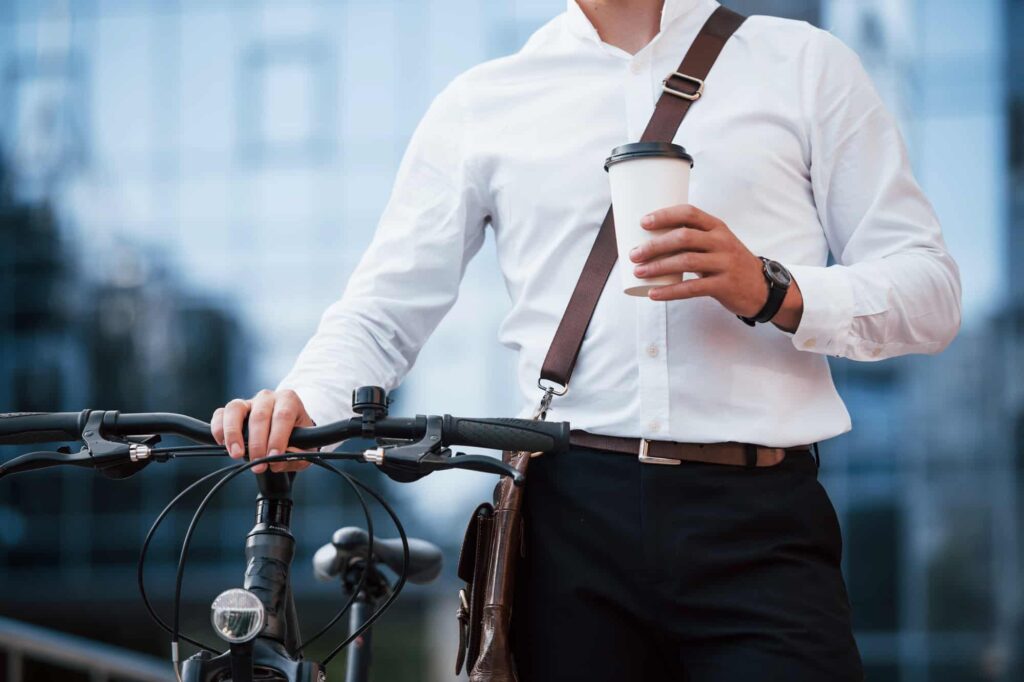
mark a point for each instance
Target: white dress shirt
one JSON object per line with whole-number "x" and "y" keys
{"x": 792, "y": 148}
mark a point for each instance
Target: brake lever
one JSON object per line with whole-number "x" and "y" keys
{"x": 404, "y": 463}
{"x": 119, "y": 458}
{"x": 112, "y": 458}
{"x": 413, "y": 461}
{"x": 482, "y": 463}
{"x": 140, "y": 454}
{"x": 44, "y": 459}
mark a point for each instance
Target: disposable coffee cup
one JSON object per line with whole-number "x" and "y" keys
{"x": 644, "y": 177}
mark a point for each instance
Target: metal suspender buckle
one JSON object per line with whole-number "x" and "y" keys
{"x": 645, "y": 459}
{"x": 679, "y": 93}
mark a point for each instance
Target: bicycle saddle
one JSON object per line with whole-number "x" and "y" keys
{"x": 351, "y": 543}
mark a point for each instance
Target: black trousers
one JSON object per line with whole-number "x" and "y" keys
{"x": 696, "y": 572}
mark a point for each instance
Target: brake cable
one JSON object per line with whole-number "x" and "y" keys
{"x": 362, "y": 579}
{"x": 399, "y": 584}
{"x": 206, "y": 451}
{"x": 314, "y": 458}
{"x": 140, "y": 565}
{"x": 180, "y": 572}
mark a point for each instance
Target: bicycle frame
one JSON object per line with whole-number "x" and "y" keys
{"x": 357, "y": 668}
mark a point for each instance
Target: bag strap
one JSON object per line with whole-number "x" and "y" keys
{"x": 671, "y": 108}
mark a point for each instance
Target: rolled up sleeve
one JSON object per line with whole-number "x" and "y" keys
{"x": 894, "y": 288}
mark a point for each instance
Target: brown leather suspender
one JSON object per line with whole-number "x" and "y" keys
{"x": 681, "y": 89}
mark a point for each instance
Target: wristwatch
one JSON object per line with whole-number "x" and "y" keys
{"x": 779, "y": 280}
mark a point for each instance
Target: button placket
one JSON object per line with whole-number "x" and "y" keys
{"x": 639, "y": 96}
{"x": 652, "y": 317}
{"x": 653, "y": 362}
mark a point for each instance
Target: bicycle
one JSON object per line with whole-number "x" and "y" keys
{"x": 259, "y": 621}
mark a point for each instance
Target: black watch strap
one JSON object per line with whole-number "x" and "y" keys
{"x": 776, "y": 295}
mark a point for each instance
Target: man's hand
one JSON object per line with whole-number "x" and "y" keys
{"x": 272, "y": 416}
{"x": 728, "y": 272}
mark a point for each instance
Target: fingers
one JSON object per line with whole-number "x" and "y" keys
{"x": 217, "y": 425}
{"x": 271, "y": 418}
{"x": 259, "y": 427}
{"x": 288, "y": 413}
{"x": 679, "y": 239}
{"x": 690, "y": 288}
{"x": 676, "y": 216}
{"x": 663, "y": 256}
{"x": 232, "y": 422}
{"x": 687, "y": 261}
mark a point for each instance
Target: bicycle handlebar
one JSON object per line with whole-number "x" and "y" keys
{"x": 119, "y": 445}
{"x": 25, "y": 428}
{"x": 118, "y": 459}
{"x": 18, "y": 428}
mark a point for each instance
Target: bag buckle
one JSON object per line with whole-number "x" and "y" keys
{"x": 550, "y": 392}
{"x": 679, "y": 93}
{"x": 646, "y": 459}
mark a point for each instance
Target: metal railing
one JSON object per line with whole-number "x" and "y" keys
{"x": 20, "y": 641}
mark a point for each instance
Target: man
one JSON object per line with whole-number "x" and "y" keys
{"x": 704, "y": 572}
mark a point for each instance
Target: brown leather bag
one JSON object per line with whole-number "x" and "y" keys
{"x": 493, "y": 543}
{"x": 490, "y": 552}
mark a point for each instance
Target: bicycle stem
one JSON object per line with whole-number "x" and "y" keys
{"x": 269, "y": 549}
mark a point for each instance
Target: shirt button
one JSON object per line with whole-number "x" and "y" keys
{"x": 876, "y": 352}
{"x": 654, "y": 425}
{"x": 636, "y": 66}
{"x": 652, "y": 350}
{"x": 810, "y": 343}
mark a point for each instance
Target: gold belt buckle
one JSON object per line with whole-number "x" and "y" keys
{"x": 646, "y": 459}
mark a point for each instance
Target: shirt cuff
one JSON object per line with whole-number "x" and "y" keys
{"x": 828, "y": 308}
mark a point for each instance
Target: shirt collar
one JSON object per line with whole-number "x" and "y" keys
{"x": 580, "y": 25}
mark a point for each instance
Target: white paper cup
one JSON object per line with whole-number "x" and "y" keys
{"x": 644, "y": 177}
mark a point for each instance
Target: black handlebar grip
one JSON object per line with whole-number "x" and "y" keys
{"x": 506, "y": 434}
{"x": 22, "y": 428}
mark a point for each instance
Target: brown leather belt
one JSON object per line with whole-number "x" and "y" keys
{"x": 668, "y": 452}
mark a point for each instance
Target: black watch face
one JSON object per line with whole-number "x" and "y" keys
{"x": 778, "y": 273}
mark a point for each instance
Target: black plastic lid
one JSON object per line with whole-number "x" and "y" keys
{"x": 635, "y": 150}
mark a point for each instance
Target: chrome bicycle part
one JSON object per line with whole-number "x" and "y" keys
{"x": 374, "y": 455}
{"x": 139, "y": 451}
{"x": 237, "y": 615}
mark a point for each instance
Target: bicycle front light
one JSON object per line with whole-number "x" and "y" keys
{"x": 237, "y": 615}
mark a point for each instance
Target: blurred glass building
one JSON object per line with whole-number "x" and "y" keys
{"x": 187, "y": 184}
